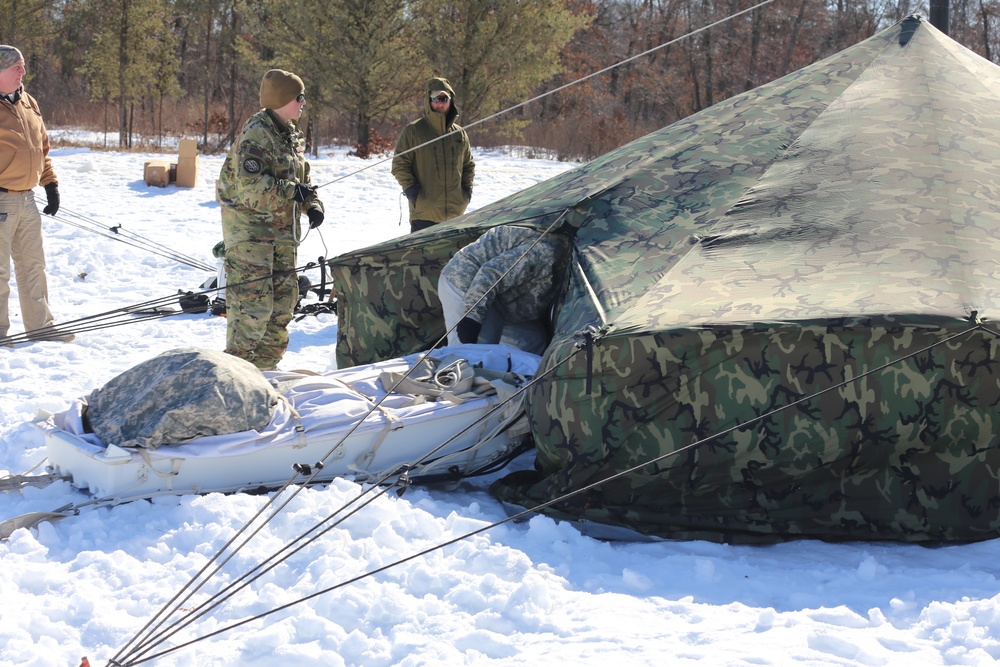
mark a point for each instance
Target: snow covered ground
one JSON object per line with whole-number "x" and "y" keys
{"x": 533, "y": 593}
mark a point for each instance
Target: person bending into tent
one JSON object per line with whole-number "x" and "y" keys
{"x": 502, "y": 286}
{"x": 263, "y": 188}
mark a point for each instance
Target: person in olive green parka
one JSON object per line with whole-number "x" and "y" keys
{"x": 436, "y": 178}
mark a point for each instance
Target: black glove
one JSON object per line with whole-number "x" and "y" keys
{"x": 468, "y": 330}
{"x": 468, "y": 193}
{"x": 315, "y": 217}
{"x": 52, "y": 197}
{"x": 304, "y": 193}
{"x": 411, "y": 193}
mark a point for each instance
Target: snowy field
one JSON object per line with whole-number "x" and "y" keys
{"x": 534, "y": 593}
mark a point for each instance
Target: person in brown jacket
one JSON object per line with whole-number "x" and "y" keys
{"x": 24, "y": 164}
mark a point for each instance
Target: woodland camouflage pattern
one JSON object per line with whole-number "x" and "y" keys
{"x": 178, "y": 396}
{"x": 827, "y": 244}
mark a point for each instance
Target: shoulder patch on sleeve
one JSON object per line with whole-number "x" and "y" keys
{"x": 252, "y": 157}
{"x": 251, "y": 165}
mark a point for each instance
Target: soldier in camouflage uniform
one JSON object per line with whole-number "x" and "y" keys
{"x": 264, "y": 188}
{"x": 503, "y": 286}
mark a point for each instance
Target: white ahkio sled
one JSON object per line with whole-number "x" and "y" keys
{"x": 369, "y": 423}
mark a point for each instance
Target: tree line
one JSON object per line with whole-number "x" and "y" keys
{"x": 142, "y": 70}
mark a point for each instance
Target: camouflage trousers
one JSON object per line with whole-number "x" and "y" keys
{"x": 261, "y": 292}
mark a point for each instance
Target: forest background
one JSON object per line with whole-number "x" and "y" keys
{"x": 142, "y": 72}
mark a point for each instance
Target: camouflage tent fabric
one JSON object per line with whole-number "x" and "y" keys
{"x": 178, "y": 396}
{"x": 779, "y": 318}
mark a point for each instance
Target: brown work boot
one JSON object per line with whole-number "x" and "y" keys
{"x": 50, "y": 333}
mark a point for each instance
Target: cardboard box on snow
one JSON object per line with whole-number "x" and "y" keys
{"x": 188, "y": 148}
{"x": 187, "y": 163}
{"x": 157, "y": 173}
{"x": 187, "y": 171}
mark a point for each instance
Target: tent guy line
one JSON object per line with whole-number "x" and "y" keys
{"x": 197, "y": 264}
{"x": 519, "y": 515}
{"x": 557, "y": 89}
{"x": 138, "y": 312}
{"x": 118, "y": 233}
{"x": 202, "y": 577}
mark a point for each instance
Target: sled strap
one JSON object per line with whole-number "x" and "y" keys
{"x": 392, "y": 422}
{"x": 300, "y": 430}
{"x": 29, "y": 520}
{"x": 322, "y": 280}
{"x": 18, "y": 482}
{"x": 175, "y": 464}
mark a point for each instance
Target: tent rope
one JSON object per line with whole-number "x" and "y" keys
{"x": 534, "y": 510}
{"x": 118, "y": 233}
{"x": 148, "y": 310}
{"x": 558, "y": 89}
{"x": 138, "y": 312}
{"x": 400, "y": 475}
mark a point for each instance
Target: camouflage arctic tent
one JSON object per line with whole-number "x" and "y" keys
{"x": 780, "y": 310}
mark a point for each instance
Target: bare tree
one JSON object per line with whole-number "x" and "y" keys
{"x": 124, "y": 64}
{"x": 367, "y": 66}
{"x": 495, "y": 52}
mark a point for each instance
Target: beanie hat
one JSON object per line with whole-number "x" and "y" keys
{"x": 278, "y": 88}
{"x": 9, "y": 56}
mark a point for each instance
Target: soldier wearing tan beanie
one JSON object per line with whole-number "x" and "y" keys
{"x": 264, "y": 188}
{"x": 279, "y": 87}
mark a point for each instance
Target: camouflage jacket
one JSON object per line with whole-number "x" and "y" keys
{"x": 525, "y": 293}
{"x": 258, "y": 180}
{"x": 444, "y": 170}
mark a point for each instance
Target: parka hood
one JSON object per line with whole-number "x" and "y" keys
{"x": 436, "y": 84}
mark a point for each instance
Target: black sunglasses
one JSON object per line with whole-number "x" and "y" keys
{"x": 300, "y": 98}
{"x": 441, "y": 99}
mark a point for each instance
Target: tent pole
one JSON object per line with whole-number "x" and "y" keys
{"x": 939, "y": 15}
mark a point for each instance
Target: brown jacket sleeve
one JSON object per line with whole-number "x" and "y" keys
{"x": 24, "y": 146}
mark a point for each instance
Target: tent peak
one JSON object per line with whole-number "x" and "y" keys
{"x": 909, "y": 26}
